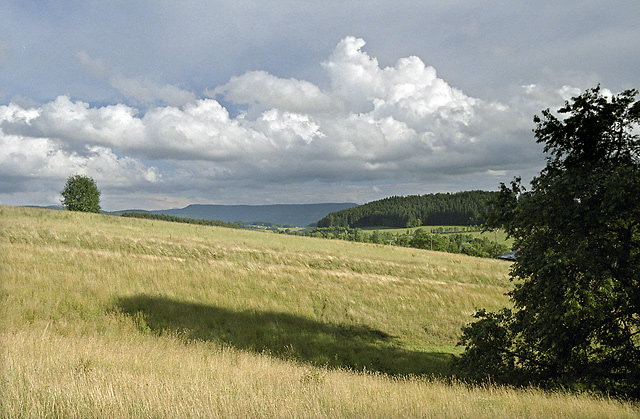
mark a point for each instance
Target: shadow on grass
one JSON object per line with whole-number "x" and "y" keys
{"x": 283, "y": 335}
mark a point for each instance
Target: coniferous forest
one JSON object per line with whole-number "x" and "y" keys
{"x": 454, "y": 209}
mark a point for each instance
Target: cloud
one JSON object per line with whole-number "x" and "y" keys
{"x": 41, "y": 158}
{"x": 62, "y": 138}
{"x": 141, "y": 91}
{"x": 201, "y": 131}
{"x": 147, "y": 92}
{"x": 261, "y": 91}
{"x": 400, "y": 123}
{"x": 74, "y": 126}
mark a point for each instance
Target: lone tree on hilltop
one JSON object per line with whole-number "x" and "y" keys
{"x": 575, "y": 321}
{"x": 81, "y": 193}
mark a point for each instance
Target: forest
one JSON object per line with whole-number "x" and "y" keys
{"x": 455, "y": 209}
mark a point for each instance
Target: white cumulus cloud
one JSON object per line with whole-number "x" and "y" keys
{"x": 261, "y": 91}
{"x": 397, "y": 123}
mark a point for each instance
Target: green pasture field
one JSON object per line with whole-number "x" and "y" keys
{"x": 500, "y": 235}
{"x": 111, "y": 317}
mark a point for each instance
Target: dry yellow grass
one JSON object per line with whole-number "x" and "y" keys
{"x": 47, "y": 375}
{"x": 84, "y": 332}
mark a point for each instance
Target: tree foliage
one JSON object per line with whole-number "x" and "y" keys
{"x": 81, "y": 193}
{"x": 575, "y": 320}
{"x": 457, "y": 209}
{"x": 454, "y": 241}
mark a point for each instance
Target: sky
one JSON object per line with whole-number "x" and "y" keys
{"x": 170, "y": 103}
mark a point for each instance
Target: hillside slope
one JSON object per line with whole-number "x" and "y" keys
{"x": 108, "y": 316}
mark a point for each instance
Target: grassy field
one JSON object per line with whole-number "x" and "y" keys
{"x": 106, "y": 317}
{"x": 499, "y": 235}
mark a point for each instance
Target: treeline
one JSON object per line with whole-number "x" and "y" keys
{"x": 420, "y": 239}
{"x": 172, "y": 218}
{"x": 456, "y": 209}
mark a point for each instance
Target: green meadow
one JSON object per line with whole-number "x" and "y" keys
{"x": 112, "y": 317}
{"x": 500, "y": 236}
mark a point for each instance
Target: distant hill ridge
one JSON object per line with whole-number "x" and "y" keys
{"x": 282, "y": 214}
{"x": 457, "y": 209}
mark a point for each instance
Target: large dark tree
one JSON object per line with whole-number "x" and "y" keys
{"x": 81, "y": 193}
{"x": 575, "y": 319}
